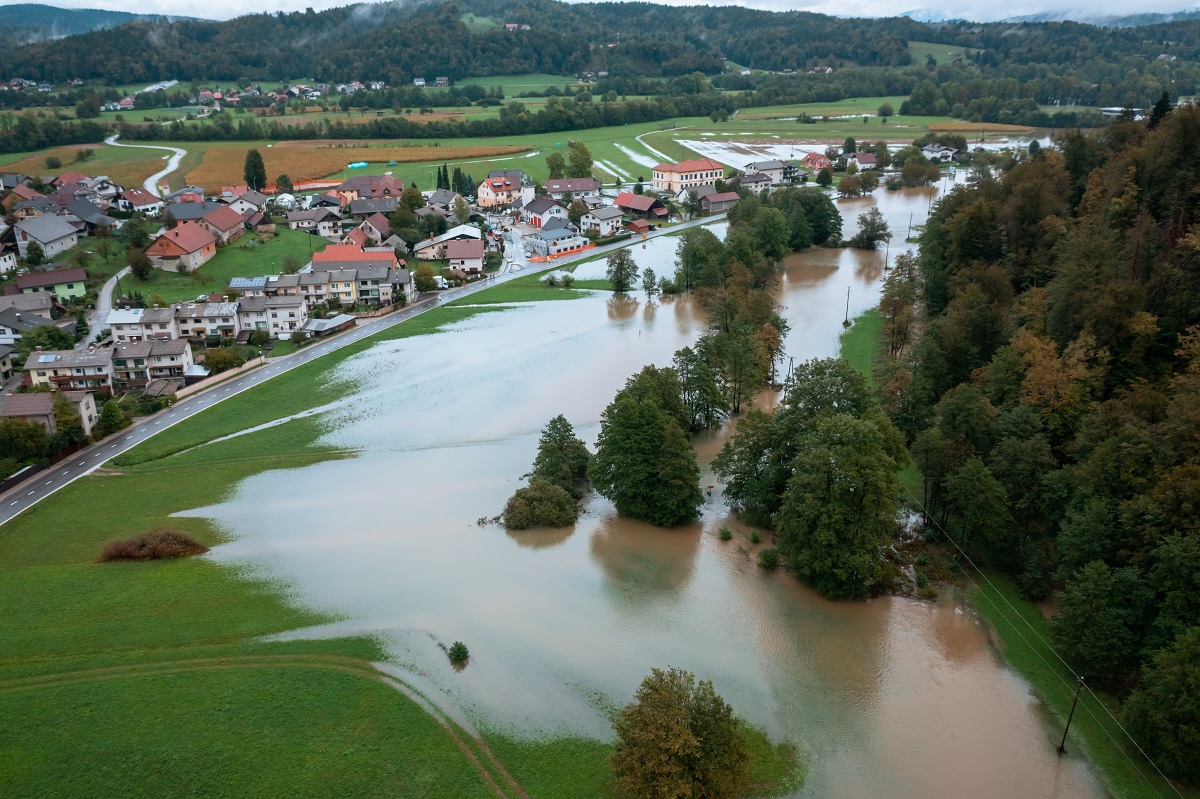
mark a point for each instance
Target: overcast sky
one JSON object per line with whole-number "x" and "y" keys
{"x": 969, "y": 9}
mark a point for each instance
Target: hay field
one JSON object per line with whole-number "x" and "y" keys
{"x": 222, "y": 164}
{"x": 123, "y": 165}
{"x": 977, "y": 127}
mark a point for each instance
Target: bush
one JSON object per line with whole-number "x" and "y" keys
{"x": 754, "y": 539}
{"x": 768, "y": 558}
{"x": 458, "y": 652}
{"x": 724, "y": 534}
{"x": 53, "y": 162}
{"x": 922, "y": 580}
{"x": 158, "y": 545}
{"x": 223, "y": 359}
{"x": 540, "y": 504}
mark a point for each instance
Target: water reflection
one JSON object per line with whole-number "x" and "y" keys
{"x": 889, "y": 697}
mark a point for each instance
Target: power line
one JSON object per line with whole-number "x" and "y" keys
{"x": 1046, "y": 663}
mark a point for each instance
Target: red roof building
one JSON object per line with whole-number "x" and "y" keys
{"x": 644, "y": 205}
{"x": 224, "y": 223}
{"x": 185, "y": 248}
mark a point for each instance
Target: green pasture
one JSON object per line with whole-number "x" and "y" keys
{"x": 944, "y": 53}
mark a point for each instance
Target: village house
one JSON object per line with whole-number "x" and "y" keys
{"x": 66, "y": 285}
{"x": 37, "y": 304}
{"x": 190, "y": 212}
{"x": 184, "y": 248}
{"x": 817, "y": 161}
{"x": 939, "y": 152}
{"x": 201, "y": 320}
{"x": 249, "y": 202}
{"x": 377, "y": 228}
{"x": 20, "y": 192}
{"x": 645, "y": 206}
{"x": 861, "y": 160}
{"x": 363, "y": 208}
{"x": 466, "y": 255}
{"x": 603, "y": 221}
{"x": 494, "y": 192}
{"x": 754, "y": 181}
{"x": 188, "y": 194}
{"x": 674, "y": 178}
{"x": 357, "y": 236}
{"x": 419, "y": 82}
{"x": 279, "y": 317}
{"x": 715, "y": 203}
{"x": 87, "y": 217}
{"x": 575, "y": 188}
{"x": 325, "y": 222}
{"x": 89, "y": 369}
{"x": 139, "y": 200}
{"x": 39, "y": 408}
{"x": 6, "y": 367}
{"x": 142, "y": 324}
{"x": 53, "y": 234}
{"x": 366, "y": 187}
{"x": 14, "y": 324}
{"x": 550, "y": 243}
{"x": 226, "y": 224}
{"x": 434, "y": 249}
{"x": 31, "y": 209}
{"x": 8, "y": 254}
{"x": 541, "y": 210}
{"x": 135, "y": 364}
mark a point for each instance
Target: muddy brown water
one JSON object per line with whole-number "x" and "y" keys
{"x": 889, "y": 697}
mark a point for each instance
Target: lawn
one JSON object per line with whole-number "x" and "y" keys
{"x": 242, "y": 258}
{"x": 849, "y": 106}
{"x": 512, "y": 85}
{"x": 944, "y": 54}
{"x": 1024, "y": 634}
{"x": 860, "y": 343}
{"x": 476, "y": 24}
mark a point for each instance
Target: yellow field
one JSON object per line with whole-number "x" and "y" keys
{"x": 977, "y": 127}
{"x": 223, "y": 164}
{"x": 123, "y": 165}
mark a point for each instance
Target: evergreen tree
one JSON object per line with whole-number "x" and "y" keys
{"x": 111, "y": 419}
{"x": 562, "y": 457}
{"x": 254, "y": 171}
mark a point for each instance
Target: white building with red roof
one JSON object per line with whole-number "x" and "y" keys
{"x": 139, "y": 200}
{"x": 674, "y": 178}
{"x": 184, "y": 248}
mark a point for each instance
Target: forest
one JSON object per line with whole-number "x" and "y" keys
{"x": 1042, "y": 360}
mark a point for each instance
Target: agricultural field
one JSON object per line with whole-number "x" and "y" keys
{"x": 852, "y": 106}
{"x": 942, "y": 53}
{"x": 124, "y": 165}
{"x": 512, "y": 85}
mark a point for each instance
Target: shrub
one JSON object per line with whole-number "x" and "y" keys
{"x": 754, "y": 539}
{"x": 567, "y": 280}
{"x": 540, "y": 504}
{"x": 551, "y": 280}
{"x": 724, "y": 534}
{"x": 458, "y": 652}
{"x": 53, "y": 162}
{"x": 158, "y": 545}
{"x": 221, "y": 360}
{"x": 922, "y": 580}
{"x": 768, "y": 558}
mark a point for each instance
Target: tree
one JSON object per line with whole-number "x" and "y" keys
{"x": 649, "y": 283}
{"x": 1099, "y": 620}
{"x": 622, "y": 270}
{"x": 576, "y": 210}
{"x": 700, "y": 388}
{"x": 134, "y": 232}
{"x": 221, "y": 360}
{"x": 771, "y": 229}
{"x": 579, "y": 161}
{"x": 254, "y": 172}
{"x": 849, "y": 145}
{"x": 68, "y": 427}
{"x": 872, "y": 229}
{"x": 53, "y": 162}
{"x": 557, "y": 165}
{"x": 424, "y": 278}
{"x": 23, "y": 440}
{"x": 825, "y": 177}
{"x": 291, "y": 265}
{"x": 982, "y": 507}
{"x": 111, "y": 419}
{"x": 562, "y": 457}
{"x": 1163, "y": 712}
{"x": 34, "y": 254}
{"x": 284, "y": 184}
{"x": 839, "y": 509}
{"x": 644, "y": 461}
{"x": 679, "y": 738}
{"x": 540, "y": 504}
{"x": 1161, "y": 110}
{"x": 139, "y": 263}
{"x": 462, "y": 211}
{"x": 48, "y": 337}
{"x": 169, "y": 221}
{"x": 886, "y": 110}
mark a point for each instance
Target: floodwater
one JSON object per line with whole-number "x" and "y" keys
{"x": 888, "y": 697}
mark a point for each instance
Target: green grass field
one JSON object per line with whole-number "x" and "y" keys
{"x": 476, "y": 24}
{"x": 854, "y": 105}
{"x": 860, "y": 343}
{"x": 239, "y": 259}
{"x": 512, "y": 85}
{"x": 943, "y": 53}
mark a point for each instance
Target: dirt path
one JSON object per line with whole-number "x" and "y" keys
{"x": 497, "y": 777}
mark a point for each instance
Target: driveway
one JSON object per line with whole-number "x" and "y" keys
{"x": 98, "y": 318}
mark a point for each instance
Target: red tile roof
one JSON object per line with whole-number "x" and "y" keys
{"x": 471, "y": 248}
{"x": 224, "y": 218}
{"x": 139, "y": 198}
{"x": 638, "y": 202}
{"x": 723, "y": 197}
{"x": 188, "y": 236}
{"x": 341, "y": 253}
{"x": 694, "y": 165}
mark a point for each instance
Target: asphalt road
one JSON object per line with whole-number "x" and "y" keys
{"x": 88, "y": 460}
{"x": 151, "y": 183}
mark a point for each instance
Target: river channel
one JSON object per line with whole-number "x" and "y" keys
{"x": 891, "y": 697}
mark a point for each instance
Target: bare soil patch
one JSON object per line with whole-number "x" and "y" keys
{"x": 158, "y": 545}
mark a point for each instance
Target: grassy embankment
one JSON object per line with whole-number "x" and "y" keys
{"x": 189, "y": 681}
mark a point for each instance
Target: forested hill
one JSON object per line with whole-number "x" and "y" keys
{"x": 1053, "y": 401}
{"x": 32, "y": 22}
{"x": 396, "y": 43}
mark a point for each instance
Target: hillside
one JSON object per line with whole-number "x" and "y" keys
{"x": 33, "y": 22}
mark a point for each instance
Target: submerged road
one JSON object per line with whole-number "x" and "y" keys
{"x": 82, "y": 463}
{"x": 151, "y": 183}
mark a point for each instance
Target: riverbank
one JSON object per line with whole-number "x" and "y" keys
{"x": 179, "y": 645}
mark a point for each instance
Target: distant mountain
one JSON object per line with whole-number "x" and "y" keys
{"x": 33, "y": 22}
{"x": 1110, "y": 21}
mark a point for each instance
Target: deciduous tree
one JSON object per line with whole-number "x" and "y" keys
{"x": 622, "y": 270}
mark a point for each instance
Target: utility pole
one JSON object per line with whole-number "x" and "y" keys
{"x": 1062, "y": 746}
{"x": 909, "y": 235}
{"x": 846, "y": 321}
{"x": 886, "y": 252}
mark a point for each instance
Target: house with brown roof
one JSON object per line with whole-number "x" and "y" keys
{"x": 224, "y": 223}
{"x": 357, "y": 237}
{"x": 38, "y": 407}
{"x": 493, "y": 192}
{"x": 817, "y": 161}
{"x": 20, "y": 193}
{"x": 674, "y": 178}
{"x": 715, "y": 203}
{"x": 136, "y": 363}
{"x": 646, "y": 206}
{"x": 377, "y": 227}
{"x": 466, "y": 255}
{"x": 325, "y": 222}
{"x": 185, "y": 248}
{"x": 577, "y": 188}
{"x": 65, "y": 285}
{"x": 139, "y": 200}
{"x": 367, "y": 187}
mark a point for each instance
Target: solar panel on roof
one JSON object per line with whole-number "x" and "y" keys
{"x": 45, "y": 359}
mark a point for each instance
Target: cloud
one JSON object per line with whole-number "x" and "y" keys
{"x": 982, "y": 10}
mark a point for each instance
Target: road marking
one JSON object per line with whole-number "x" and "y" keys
{"x": 156, "y": 424}
{"x": 14, "y": 502}
{"x": 30, "y": 494}
{"x": 114, "y": 446}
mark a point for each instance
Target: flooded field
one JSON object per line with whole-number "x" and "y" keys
{"x": 889, "y": 697}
